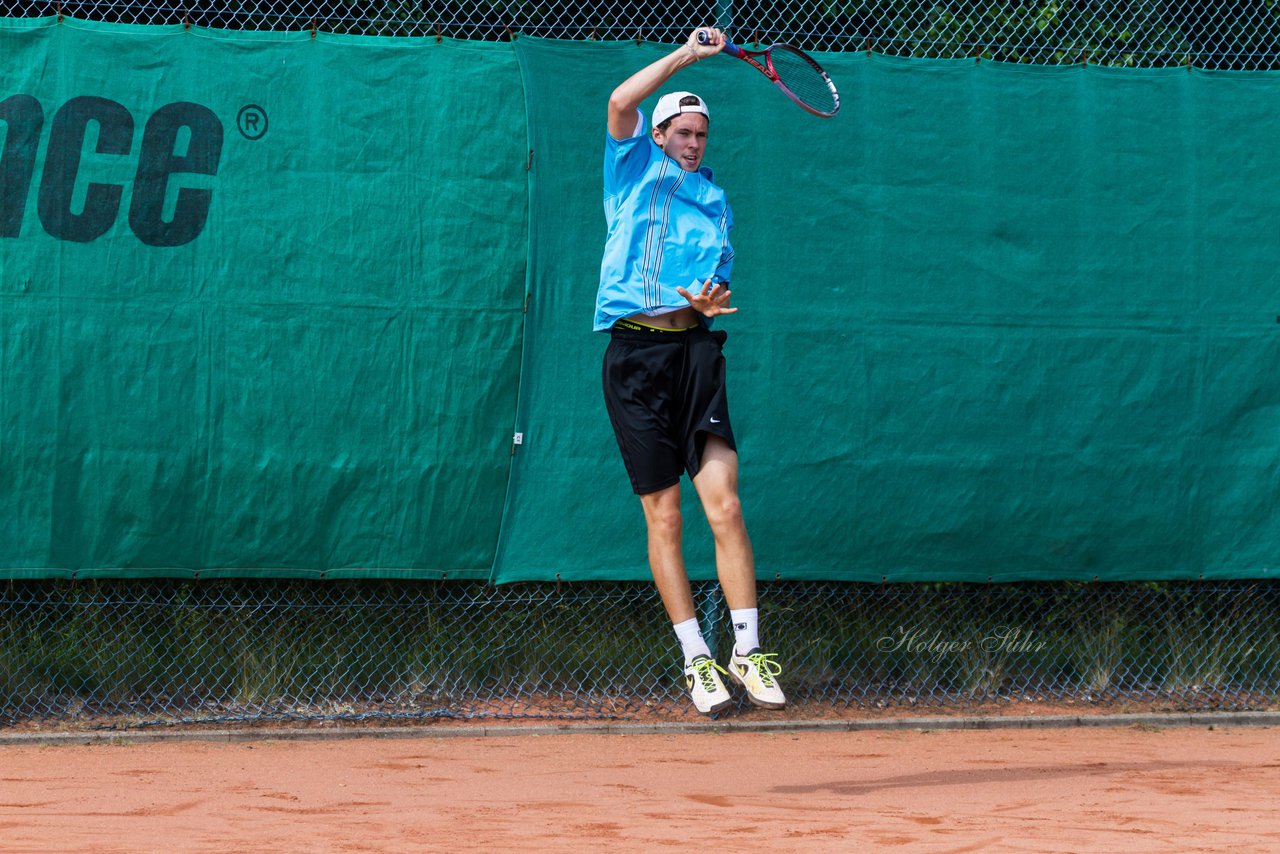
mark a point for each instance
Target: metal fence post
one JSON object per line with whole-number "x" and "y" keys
{"x": 724, "y": 15}
{"x": 709, "y": 614}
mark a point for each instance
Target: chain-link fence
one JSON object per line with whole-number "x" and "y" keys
{"x": 130, "y": 653}
{"x": 1205, "y": 34}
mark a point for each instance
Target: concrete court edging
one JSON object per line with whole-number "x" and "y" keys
{"x": 329, "y": 733}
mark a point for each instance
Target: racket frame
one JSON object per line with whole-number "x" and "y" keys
{"x": 766, "y": 68}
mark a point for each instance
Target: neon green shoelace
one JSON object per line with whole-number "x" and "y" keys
{"x": 766, "y": 667}
{"x": 703, "y": 671}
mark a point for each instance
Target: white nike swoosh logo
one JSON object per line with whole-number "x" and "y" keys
{"x": 715, "y": 420}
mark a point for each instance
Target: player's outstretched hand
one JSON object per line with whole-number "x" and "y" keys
{"x": 710, "y": 301}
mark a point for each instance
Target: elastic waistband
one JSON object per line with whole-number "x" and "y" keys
{"x": 635, "y": 326}
{"x": 627, "y": 330}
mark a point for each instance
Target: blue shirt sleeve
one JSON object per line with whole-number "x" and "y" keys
{"x": 625, "y": 159}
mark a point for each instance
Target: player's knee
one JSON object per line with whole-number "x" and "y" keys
{"x": 662, "y": 511}
{"x": 724, "y": 511}
{"x": 665, "y": 520}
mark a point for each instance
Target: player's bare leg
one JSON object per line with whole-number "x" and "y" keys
{"x": 666, "y": 562}
{"x": 717, "y": 485}
{"x": 666, "y": 556}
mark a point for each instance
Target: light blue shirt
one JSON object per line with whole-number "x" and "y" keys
{"x": 666, "y": 228}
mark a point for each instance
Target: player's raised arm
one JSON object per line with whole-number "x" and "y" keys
{"x": 626, "y": 99}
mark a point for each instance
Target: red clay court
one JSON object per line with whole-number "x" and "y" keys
{"x": 1136, "y": 788}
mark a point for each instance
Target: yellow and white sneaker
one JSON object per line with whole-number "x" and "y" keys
{"x": 708, "y": 692}
{"x": 755, "y": 672}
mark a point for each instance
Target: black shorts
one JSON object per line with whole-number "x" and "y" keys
{"x": 665, "y": 392}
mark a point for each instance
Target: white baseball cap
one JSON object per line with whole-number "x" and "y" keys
{"x": 675, "y": 103}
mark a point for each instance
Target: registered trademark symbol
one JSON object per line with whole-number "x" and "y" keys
{"x": 252, "y": 121}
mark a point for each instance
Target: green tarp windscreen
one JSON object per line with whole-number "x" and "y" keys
{"x": 996, "y": 322}
{"x": 321, "y": 376}
{"x": 276, "y": 304}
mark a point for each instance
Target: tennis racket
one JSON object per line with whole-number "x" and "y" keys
{"x": 794, "y": 72}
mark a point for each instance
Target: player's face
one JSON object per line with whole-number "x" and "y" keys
{"x": 684, "y": 140}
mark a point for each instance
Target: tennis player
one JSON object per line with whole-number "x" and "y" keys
{"x": 663, "y": 280}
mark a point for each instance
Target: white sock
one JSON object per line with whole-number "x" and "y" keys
{"x": 691, "y": 641}
{"x": 746, "y": 630}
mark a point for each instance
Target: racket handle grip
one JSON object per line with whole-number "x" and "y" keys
{"x": 729, "y": 47}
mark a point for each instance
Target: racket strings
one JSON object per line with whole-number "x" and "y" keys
{"x": 804, "y": 80}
